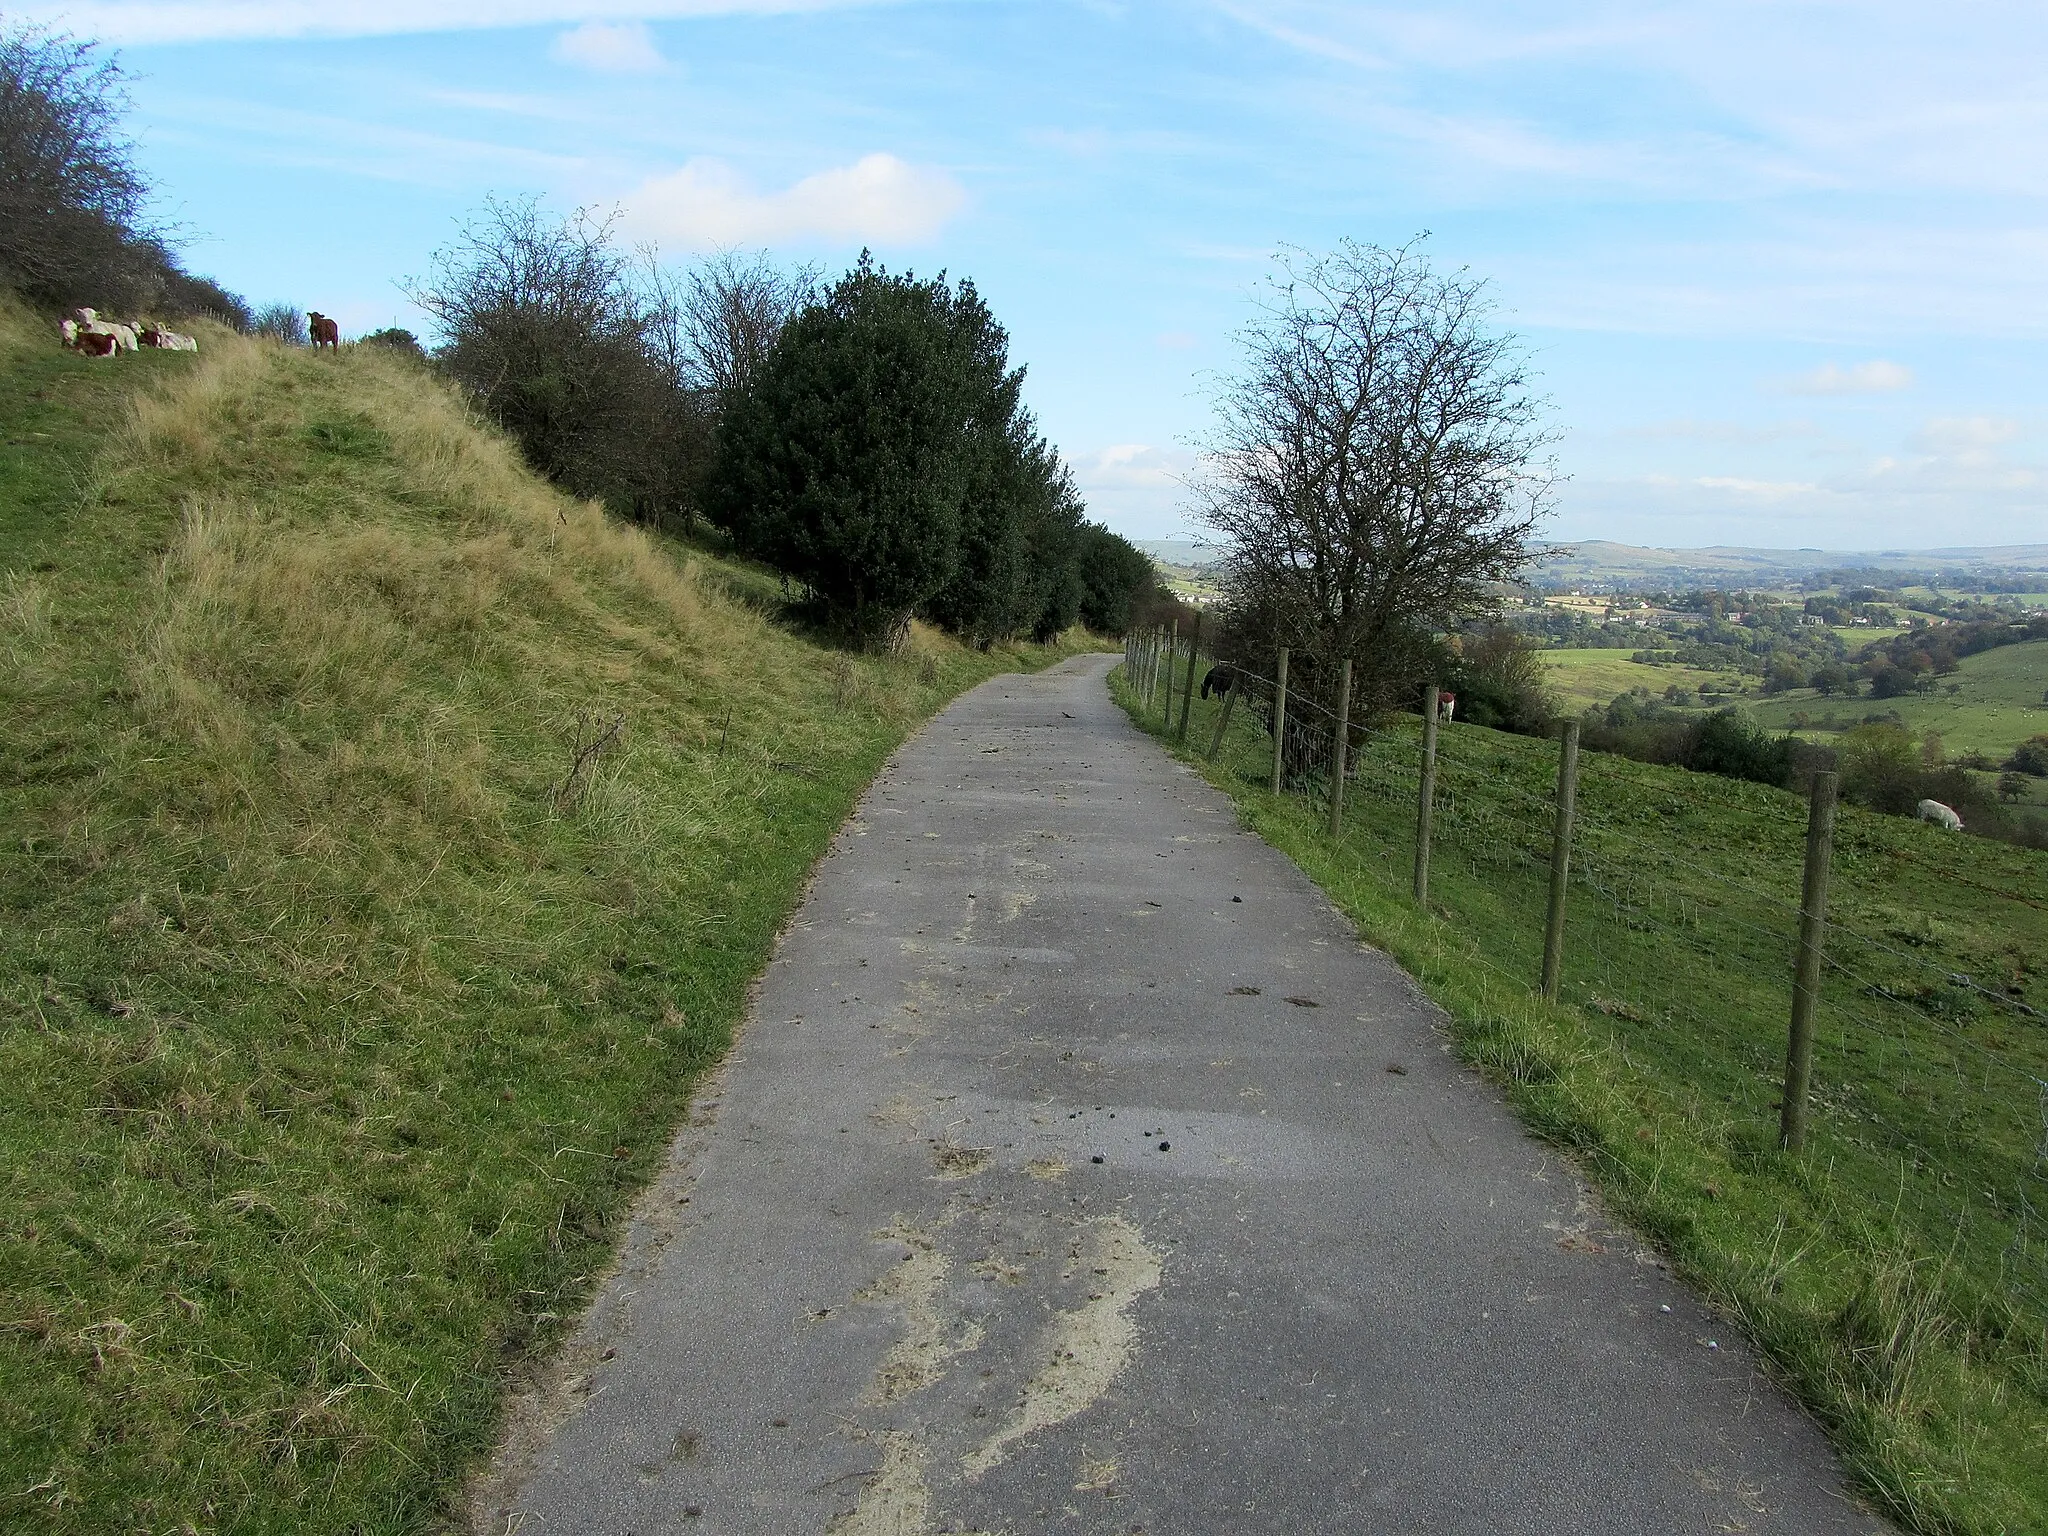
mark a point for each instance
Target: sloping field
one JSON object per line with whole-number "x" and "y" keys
{"x": 2001, "y": 699}
{"x": 386, "y": 841}
{"x": 1587, "y": 677}
{"x": 1896, "y": 1272}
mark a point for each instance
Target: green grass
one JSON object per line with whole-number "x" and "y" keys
{"x": 340, "y": 1017}
{"x": 1586, "y": 677}
{"x": 1998, "y": 703}
{"x": 1897, "y": 1273}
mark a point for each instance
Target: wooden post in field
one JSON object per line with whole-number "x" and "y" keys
{"x": 1223, "y": 720}
{"x": 1426, "y": 804}
{"x": 1813, "y": 922}
{"x": 1279, "y": 719}
{"x": 1187, "y": 688}
{"x": 1337, "y": 748}
{"x": 1560, "y": 858}
{"x": 1171, "y": 655}
{"x": 1150, "y": 661}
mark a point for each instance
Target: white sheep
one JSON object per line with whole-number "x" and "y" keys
{"x": 1939, "y": 814}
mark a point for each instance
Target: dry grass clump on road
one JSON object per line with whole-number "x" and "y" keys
{"x": 385, "y": 841}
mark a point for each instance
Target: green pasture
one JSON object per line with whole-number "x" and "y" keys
{"x": 1896, "y": 1273}
{"x": 1997, "y": 704}
{"x": 1586, "y": 677}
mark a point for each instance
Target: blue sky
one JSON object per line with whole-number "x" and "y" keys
{"x": 1782, "y": 266}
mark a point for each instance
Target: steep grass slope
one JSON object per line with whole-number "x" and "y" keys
{"x": 341, "y": 1010}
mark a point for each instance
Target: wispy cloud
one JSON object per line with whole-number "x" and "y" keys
{"x": 1138, "y": 489}
{"x": 611, "y": 47}
{"x": 1876, "y": 377}
{"x": 1763, "y": 490}
{"x": 877, "y": 198}
{"x": 189, "y": 21}
{"x": 269, "y": 135}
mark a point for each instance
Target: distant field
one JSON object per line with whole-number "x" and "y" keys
{"x": 1997, "y": 707}
{"x": 1584, "y": 677}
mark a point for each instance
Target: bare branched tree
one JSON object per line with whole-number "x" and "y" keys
{"x": 70, "y": 195}
{"x": 543, "y": 320}
{"x": 727, "y": 311}
{"x": 707, "y": 328}
{"x": 1377, "y": 467}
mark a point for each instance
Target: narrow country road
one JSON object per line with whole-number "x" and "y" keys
{"x": 1079, "y": 1171}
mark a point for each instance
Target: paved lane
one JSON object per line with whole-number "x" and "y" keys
{"x": 1079, "y": 1171}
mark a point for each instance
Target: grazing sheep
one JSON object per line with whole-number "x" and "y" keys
{"x": 1446, "y": 706}
{"x": 1939, "y": 814}
{"x": 324, "y": 331}
{"x": 1220, "y": 679}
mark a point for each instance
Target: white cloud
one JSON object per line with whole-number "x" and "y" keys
{"x": 1966, "y": 437}
{"x": 877, "y": 198}
{"x": 1135, "y": 488}
{"x": 190, "y": 21}
{"x": 611, "y": 47}
{"x": 1872, "y": 378}
{"x": 1766, "y": 490}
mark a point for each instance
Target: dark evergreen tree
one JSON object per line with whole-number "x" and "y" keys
{"x": 1113, "y": 574}
{"x": 847, "y": 460}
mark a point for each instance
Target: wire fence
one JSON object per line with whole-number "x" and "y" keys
{"x": 1929, "y": 1077}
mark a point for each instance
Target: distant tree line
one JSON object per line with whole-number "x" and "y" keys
{"x": 74, "y": 222}
{"x": 866, "y": 437}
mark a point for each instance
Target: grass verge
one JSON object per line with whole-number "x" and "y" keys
{"x": 1895, "y": 1273}
{"x": 386, "y": 841}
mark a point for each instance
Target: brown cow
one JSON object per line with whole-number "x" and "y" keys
{"x": 325, "y": 332}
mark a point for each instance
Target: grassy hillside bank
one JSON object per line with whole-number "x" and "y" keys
{"x": 1897, "y": 1273}
{"x": 385, "y": 843}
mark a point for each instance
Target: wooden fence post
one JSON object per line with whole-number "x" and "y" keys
{"x": 1170, "y": 656}
{"x": 1279, "y": 719}
{"x": 1337, "y": 750}
{"x": 1426, "y": 805}
{"x": 1813, "y": 922}
{"x": 1560, "y": 858}
{"x": 1187, "y": 691}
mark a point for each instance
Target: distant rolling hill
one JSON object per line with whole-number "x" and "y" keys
{"x": 1602, "y": 561}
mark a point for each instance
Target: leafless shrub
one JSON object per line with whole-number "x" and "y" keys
{"x": 280, "y": 322}
{"x": 73, "y": 225}
{"x": 590, "y": 737}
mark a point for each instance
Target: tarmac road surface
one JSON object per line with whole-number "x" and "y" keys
{"x": 1080, "y": 1171}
